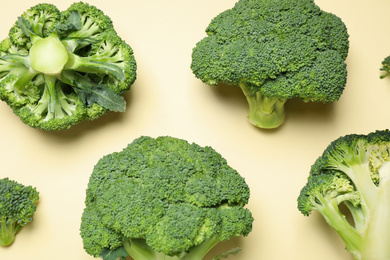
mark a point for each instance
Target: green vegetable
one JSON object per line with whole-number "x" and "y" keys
{"x": 275, "y": 50}
{"x": 354, "y": 171}
{"x": 163, "y": 198}
{"x": 385, "y": 67}
{"x": 60, "y": 68}
{"x": 17, "y": 207}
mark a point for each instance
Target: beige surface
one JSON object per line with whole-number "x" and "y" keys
{"x": 168, "y": 100}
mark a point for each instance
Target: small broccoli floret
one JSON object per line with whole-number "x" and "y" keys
{"x": 275, "y": 51}
{"x": 354, "y": 171}
{"x": 17, "y": 207}
{"x": 163, "y": 198}
{"x": 60, "y": 68}
{"x": 385, "y": 67}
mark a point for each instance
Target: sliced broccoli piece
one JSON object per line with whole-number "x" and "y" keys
{"x": 60, "y": 68}
{"x": 354, "y": 171}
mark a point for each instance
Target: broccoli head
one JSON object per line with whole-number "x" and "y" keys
{"x": 60, "y": 68}
{"x": 354, "y": 171}
{"x": 163, "y": 198}
{"x": 17, "y": 207}
{"x": 275, "y": 51}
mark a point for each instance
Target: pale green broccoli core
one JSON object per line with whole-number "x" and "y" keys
{"x": 8, "y": 230}
{"x": 48, "y": 55}
{"x": 264, "y": 112}
{"x": 369, "y": 239}
{"x": 139, "y": 250}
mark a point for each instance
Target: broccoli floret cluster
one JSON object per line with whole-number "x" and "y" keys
{"x": 163, "y": 198}
{"x": 354, "y": 171}
{"x": 275, "y": 50}
{"x": 385, "y": 67}
{"x": 60, "y": 68}
{"x": 18, "y": 204}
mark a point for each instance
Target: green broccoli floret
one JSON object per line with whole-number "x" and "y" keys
{"x": 17, "y": 206}
{"x": 354, "y": 171}
{"x": 60, "y": 68}
{"x": 275, "y": 50}
{"x": 385, "y": 67}
{"x": 163, "y": 198}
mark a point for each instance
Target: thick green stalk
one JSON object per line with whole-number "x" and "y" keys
{"x": 48, "y": 55}
{"x": 264, "y": 112}
{"x": 139, "y": 250}
{"x": 377, "y": 233}
{"x": 25, "y": 78}
{"x": 360, "y": 175}
{"x": 198, "y": 252}
{"x": 331, "y": 212}
{"x": 94, "y": 64}
{"x": 8, "y": 230}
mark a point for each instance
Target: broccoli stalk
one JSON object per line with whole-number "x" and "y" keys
{"x": 17, "y": 207}
{"x": 48, "y": 55}
{"x": 139, "y": 250}
{"x": 264, "y": 112}
{"x": 354, "y": 171}
{"x": 8, "y": 230}
{"x": 54, "y": 103}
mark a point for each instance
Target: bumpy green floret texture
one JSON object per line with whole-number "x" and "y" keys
{"x": 163, "y": 198}
{"x": 275, "y": 50}
{"x": 354, "y": 172}
{"x": 385, "y": 67}
{"x": 60, "y": 68}
{"x": 17, "y": 207}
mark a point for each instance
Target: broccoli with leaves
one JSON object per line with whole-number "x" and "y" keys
{"x": 18, "y": 204}
{"x": 60, "y": 68}
{"x": 354, "y": 171}
{"x": 275, "y": 50}
{"x": 163, "y": 198}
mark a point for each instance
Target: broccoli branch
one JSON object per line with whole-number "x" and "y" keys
{"x": 264, "y": 112}
{"x": 8, "y": 230}
{"x": 139, "y": 250}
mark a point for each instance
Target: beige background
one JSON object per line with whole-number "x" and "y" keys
{"x": 168, "y": 100}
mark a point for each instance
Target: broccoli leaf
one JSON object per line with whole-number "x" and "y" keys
{"x": 106, "y": 97}
{"x": 114, "y": 254}
{"x": 73, "y": 23}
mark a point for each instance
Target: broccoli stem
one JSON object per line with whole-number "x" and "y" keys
{"x": 377, "y": 236}
{"x": 338, "y": 222}
{"x": 48, "y": 55}
{"x": 8, "y": 230}
{"x": 95, "y": 64}
{"x": 264, "y": 112}
{"x": 369, "y": 237}
{"x": 139, "y": 250}
{"x": 25, "y": 78}
{"x": 53, "y": 102}
{"x": 198, "y": 252}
